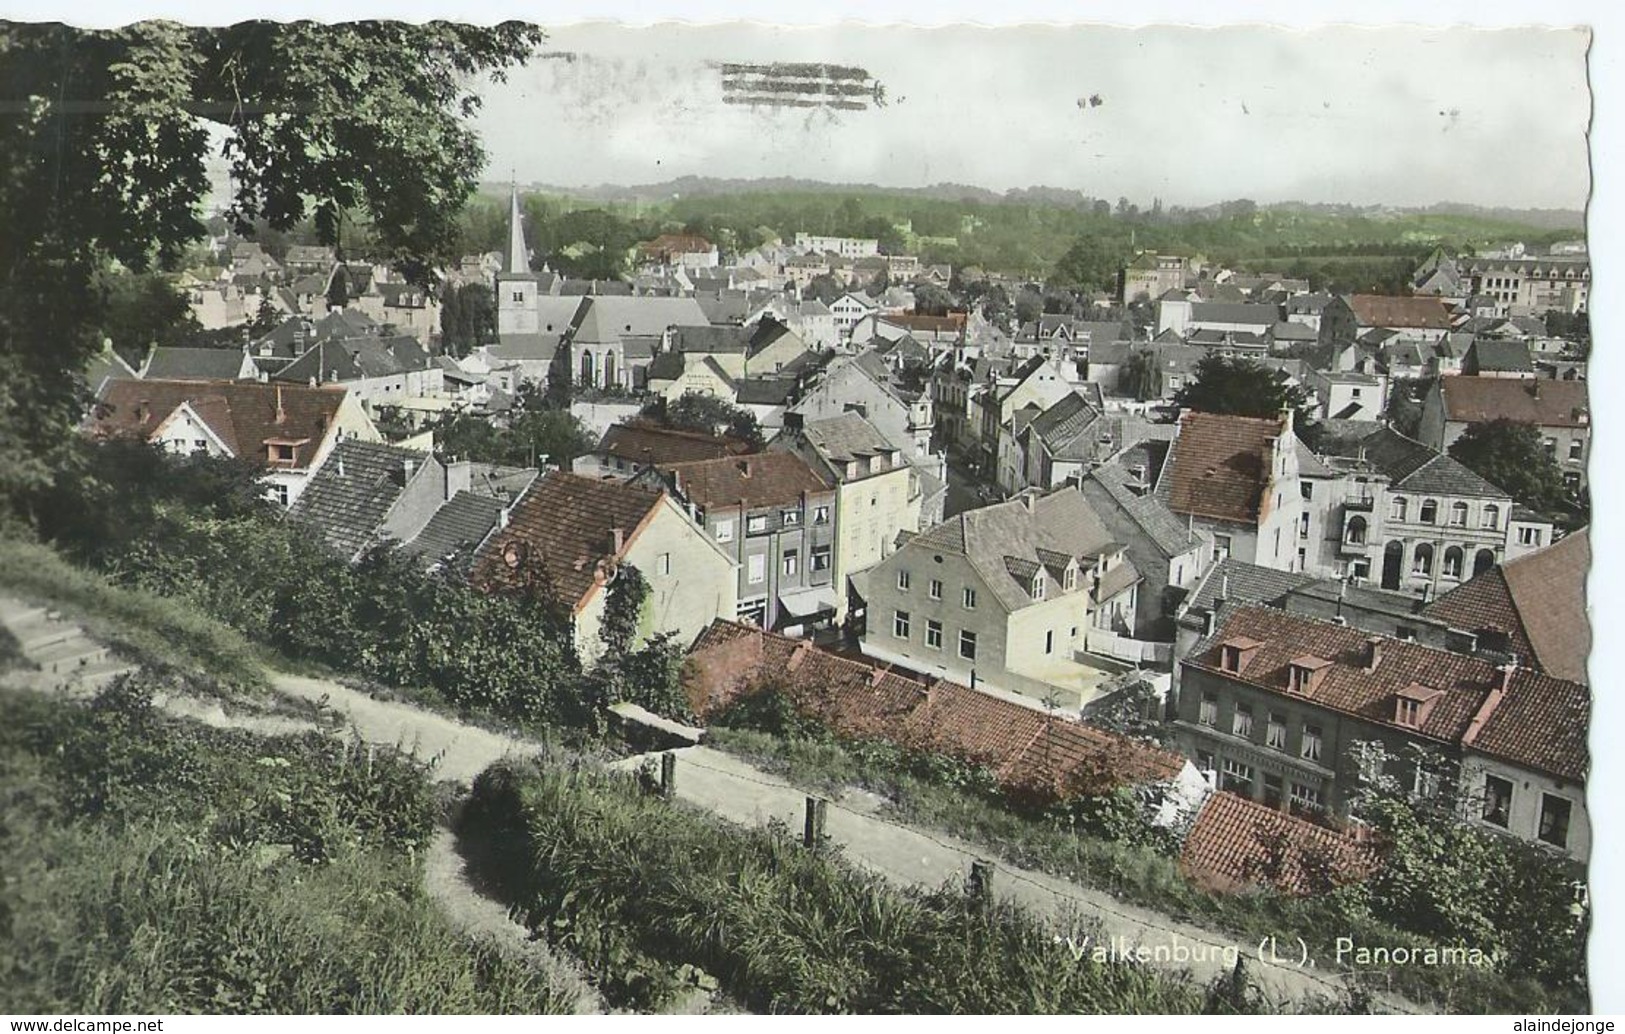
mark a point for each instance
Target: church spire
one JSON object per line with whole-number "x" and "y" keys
{"x": 517, "y": 260}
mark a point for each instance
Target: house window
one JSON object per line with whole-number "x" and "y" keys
{"x": 1551, "y": 448}
{"x": 518, "y": 296}
{"x": 1576, "y": 448}
{"x": 1458, "y": 515}
{"x": 1430, "y": 511}
{"x": 1491, "y": 518}
{"x": 1049, "y": 641}
{"x": 1356, "y": 531}
{"x": 1309, "y": 746}
{"x": 1305, "y": 800}
{"x": 1397, "y": 508}
{"x": 279, "y": 452}
{"x": 1497, "y": 800}
{"x": 725, "y": 530}
{"x": 1071, "y": 579}
{"x": 278, "y": 494}
{"x": 1410, "y": 713}
{"x": 902, "y": 579}
{"x": 200, "y": 445}
{"x": 969, "y": 598}
{"x": 756, "y": 525}
{"x": 820, "y": 558}
{"x": 665, "y": 563}
{"x": 1210, "y": 709}
{"x": 1554, "y": 819}
{"x": 1039, "y": 585}
{"x": 758, "y": 569}
{"x": 792, "y": 563}
{"x": 933, "y": 634}
{"x": 967, "y": 644}
{"x": 1452, "y": 562}
{"x": 1307, "y": 489}
{"x": 935, "y": 588}
{"x": 1272, "y": 790}
{"x": 790, "y": 518}
{"x": 1528, "y": 536}
{"x": 1221, "y": 547}
{"x": 1276, "y": 736}
{"x": 1422, "y": 561}
{"x": 1238, "y": 778}
{"x": 1241, "y": 723}
{"x": 820, "y": 515}
{"x": 899, "y": 624}
{"x": 1303, "y": 525}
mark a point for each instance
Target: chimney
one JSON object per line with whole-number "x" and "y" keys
{"x": 1373, "y": 653}
{"x": 1506, "y": 671}
{"x": 1224, "y": 591}
{"x": 143, "y": 410}
{"x": 281, "y": 413}
{"x": 876, "y": 673}
{"x": 408, "y": 466}
{"x": 798, "y": 655}
{"x": 502, "y": 518}
{"x": 340, "y": 459}
{"x": 617, "y": 538}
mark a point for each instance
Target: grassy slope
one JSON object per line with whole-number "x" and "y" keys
{"x": 148, "y": 628}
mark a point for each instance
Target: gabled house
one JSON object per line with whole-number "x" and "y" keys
{"x": 1004, "y": 595}
{"x": 1559, "y": 410}
{"x": 878, "y": 492}
{"x": 1276, "y": 703}
{"x": 1498, "y": 357}
{"x": 625, "y": 449}
{"x": 366, "y": 493}
{"x": 577, "y": 534}
{"x": 1038, "y": 382}
{"x": 479, "y": 499}
{"x": 612, "y": 340}
{"x": 1532, "y": 607}
{"x": 1059, "y": 444}
{"x": 199, "y": 364}
{"x": 1347, "y": 317}
{"x": 379, "y": 371}
{"x": 867, "y": 385}
{"x": 775, "y": 517}
{"x": 1235, "y": 480}
{"x": 286, "y": 429}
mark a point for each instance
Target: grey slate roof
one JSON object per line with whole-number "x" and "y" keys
{"x": 1413, "y": 467}
{"x": 1107, "y": 489}
{"x": 1499, "y": 355}
{"x": 1015, "y": 535}
{"x": 846, "y": 437}
{"x": 1240, "y": 583}
{"x": 456, "y": 529}
{"x": 347, "y": 508}
{"x": 351, "y": 358}
{"x": 1262, "y": 316}
{"x": 194, "y": 364}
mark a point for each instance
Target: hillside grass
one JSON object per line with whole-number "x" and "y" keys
{"x": 654, "y": 895}
{"x": 154, "y": 865}
{"x": 1135, "y": 872}
{"x": 143, "y": 626}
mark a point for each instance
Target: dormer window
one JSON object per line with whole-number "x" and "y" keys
{"x": 1235, "y": 653}
{"x": 1070, "y": 579}
{"x": 1304, "y": 674}
{"x": 1414, "y": 703}
{"x": 1039, "y": 585}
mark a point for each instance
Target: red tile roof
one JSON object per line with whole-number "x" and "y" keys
{"x": 564, "y": 527}
{"x": 1378, "y": 310}
{"x": 763, "y": 479}
{"x": 1538, "y": 601}
{"x": 246, "y": 415}
{"x": 1221, "y": 465}
{"x": 1029, "y": 752}
{"x": 1475, "y": 400}
{"x": 1237, "y": 843}
{"x": 1471, "y": 701}
{"x": 645, "y": 443}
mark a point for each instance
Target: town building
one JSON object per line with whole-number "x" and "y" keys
{"x": 577, "y": 534}
{"x": 775, "y": 517}
{"x": 1349, "y": 317}
{"x": 286, "y": 429}
{"x": 1559, "y": 410}
{"x": 1235, "y": 481}
{"x": 1004, "y": 595}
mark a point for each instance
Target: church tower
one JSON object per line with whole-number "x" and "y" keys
{"x": 517, "y": 311}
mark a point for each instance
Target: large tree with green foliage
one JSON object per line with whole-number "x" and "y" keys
{"x": 706, "y": 414}
{"x": 1512, "y": 457}
{"x": 1140, "y": 376}
{"x": 106, "y": 136}
{"x": 1239, "y": 386}
{"x": 537, "y": 431}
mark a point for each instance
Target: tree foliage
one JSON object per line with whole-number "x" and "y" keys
{"x": 1513, "y": 457}
{"x": 537, "y": 431}
{"x": 106, "y": 142}
{"x": 706, "y": 414}
{"x": 1241, "y": 387}
{"x": 468, "y": 318}
{"x": 1140, "y": 377}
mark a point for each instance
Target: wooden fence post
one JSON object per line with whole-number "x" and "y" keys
{"x": 668, "y": 775}
{"x": 812, "y": 832}
{"x": 981, "y": 881}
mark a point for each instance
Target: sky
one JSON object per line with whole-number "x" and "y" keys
{"x": 1400, "y": 116}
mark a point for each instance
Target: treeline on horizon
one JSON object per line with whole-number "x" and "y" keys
{"x": 582, "y": 236}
